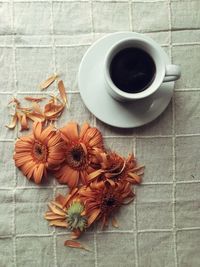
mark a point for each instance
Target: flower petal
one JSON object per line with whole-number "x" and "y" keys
{"x": 93, "y": 216}
{"x": 56, "y": 210}
{"x": 70, "y": 131}
{"x": 28, "y": 169}
{"x": 21, "y": 160}
{"x": 45, "y": 84}
{"x": 135, "y": 178}
{"x": 84, "y": 128}
{"x": 58, "y": 223}
{"x": 53, "y": 217}
{"x": 94, "y": 175}
{"x": 114, "y": 223}
{"x": 75, "y": 244}
{"x": 62, "y": 91}
{"x": 37, "y": 129}
{"x": 73, "y": 179}
{"x": 13, "y": 122}
{"x": 67, "y": 175}
{"x": 38, "y": 173}
{"x": 46, "y": 133}
{"x": 54, "y": 140}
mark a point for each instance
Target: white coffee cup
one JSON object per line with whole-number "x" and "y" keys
{"x": 163, "y": 72}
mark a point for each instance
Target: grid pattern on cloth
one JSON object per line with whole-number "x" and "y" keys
{"x": 162, "y": 226}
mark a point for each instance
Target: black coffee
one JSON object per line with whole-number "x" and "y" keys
{"x": 132, "y": 70}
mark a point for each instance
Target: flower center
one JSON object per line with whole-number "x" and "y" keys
{"x": 75, "y": 219}
{"x": 108, "y": 204}
{"x": 39, "y": 152}
{"x": 76, "y": 154}
{"x": 76, "y": 157}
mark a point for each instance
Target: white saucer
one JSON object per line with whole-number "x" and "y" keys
{"x": 94, "y": 94}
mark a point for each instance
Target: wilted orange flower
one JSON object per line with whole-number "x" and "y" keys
{"x": 115, "y": 168}
{"x": 68, "y": 212}
{"x": 82, "y": 146}
{"x": 103, "y": 199}
{"x": 39, "y": 151}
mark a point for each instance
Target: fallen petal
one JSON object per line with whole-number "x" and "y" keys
{"x": 13, "y": 122}
{"x": 75, "y": 244}
{"x": 62, "y": 91}
{"x": 114, "y": 223}
{"x": 36, "y": 108}
{"x": 24, "y": 123}
{"x": 45, "y": 84}
{"x": 35, "y": 117}
{"x": 34, "y": 99}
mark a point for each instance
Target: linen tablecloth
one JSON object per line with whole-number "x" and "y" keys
{"x": 161, "y": 228}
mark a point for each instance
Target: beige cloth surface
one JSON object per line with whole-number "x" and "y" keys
{"x": 162, "y": 227}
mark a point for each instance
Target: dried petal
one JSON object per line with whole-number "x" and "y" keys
{"x": 136, "y": 177}
{"x": 114, "y": 222}
{"x": 54, "y": 114}
{"x": 56, "y": 210}
{"x": 45, "y": 84}
{"x": 75, "y": 244}
{"x": 13, "y": 122}
{"x": 62, "y": 91}
{"x": 138, "y": 168}
{"x": 56, "y": 203}
{"x": 35, "y": 117}
{"x": 36, "y": 108}
{"x": 58, "y": 223}
{"x": 24, "y": 123}
{"x": 15, "y": 101}
{"x": 24, "y": 109}
{"x": 53, "y": 217}
{"x": 94, "y": 174}
{"x": 34, "y": 99}
{"x": 69, "y": 196}
{"x": 93, "y": 216}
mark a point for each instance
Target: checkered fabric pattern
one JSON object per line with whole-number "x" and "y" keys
{"x": 161, "y": 228}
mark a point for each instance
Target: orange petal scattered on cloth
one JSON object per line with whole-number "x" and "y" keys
{"x": 47, "y": 114}
{"x": 75, "y": 244}
{"x": 13, "y": 122}
{"x": 35, "y": 117}
{"x": 58, "y": 223}
{"x": 37, "y": 108}
{"x": 45, "y": 84}
{"x": 24, "y": 123}
{"x": 62, "y": 91}
{"x": 34, "y": 99}
{"x": 114, "y": 223}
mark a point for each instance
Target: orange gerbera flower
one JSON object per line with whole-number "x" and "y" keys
{"x": 103, "y": 199}
{"x": 39, "y": 151}
{"x": 68, "y": 212}
{"x": 82, "y": 146}
{"x": 115, "y": 168}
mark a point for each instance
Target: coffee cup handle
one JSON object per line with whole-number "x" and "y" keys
{"x": 172, "y": 73}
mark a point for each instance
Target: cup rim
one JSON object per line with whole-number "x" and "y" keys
{"x": 158, "y": 79}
